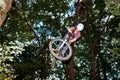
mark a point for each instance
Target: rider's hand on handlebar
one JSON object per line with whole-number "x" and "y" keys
{"x": 69, "y": 30}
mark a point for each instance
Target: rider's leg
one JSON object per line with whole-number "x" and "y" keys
{"x": 58, "y": 48}
{"x": 64, "y": 49}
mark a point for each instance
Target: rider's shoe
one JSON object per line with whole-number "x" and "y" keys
{"x": 57, "y": 51}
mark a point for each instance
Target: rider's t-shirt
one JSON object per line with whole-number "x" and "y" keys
{"x": 76, "y": 34}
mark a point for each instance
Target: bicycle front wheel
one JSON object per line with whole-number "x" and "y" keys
{"x": 54, "y": 44}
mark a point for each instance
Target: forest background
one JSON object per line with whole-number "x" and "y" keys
{"x": 31, "y": 24}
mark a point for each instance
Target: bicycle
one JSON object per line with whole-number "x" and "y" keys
{"x": 64, "y": 47}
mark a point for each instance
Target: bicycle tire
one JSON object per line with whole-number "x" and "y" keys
{"x": 54, "y": 54}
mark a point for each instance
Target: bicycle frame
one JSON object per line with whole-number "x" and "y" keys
{"x": 65, "y": 40}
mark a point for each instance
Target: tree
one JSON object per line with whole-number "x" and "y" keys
{"x": 7, "y": 53}
{"x": 5, "y": 6}
{"x": 95, "y": 53}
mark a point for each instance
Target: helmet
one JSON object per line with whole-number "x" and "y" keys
{"x": 80, "y": 26}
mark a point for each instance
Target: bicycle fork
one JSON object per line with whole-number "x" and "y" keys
{"x": 61, "y": 45}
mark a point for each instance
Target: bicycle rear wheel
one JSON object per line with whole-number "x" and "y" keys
{"x": 53, "y": 45}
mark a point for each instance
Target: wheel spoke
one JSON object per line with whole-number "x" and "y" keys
{"x": 54, "y": 51}
{"x": 55, "y": 44}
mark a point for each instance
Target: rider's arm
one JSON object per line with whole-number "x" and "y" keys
{"x": 76, "y": 36}
{"x": 70, "y": 29}
{"x": 73, "y": 40}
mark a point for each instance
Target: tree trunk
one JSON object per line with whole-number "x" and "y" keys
{"x": 5, "y": 6}
{"x": 91, "y": 46}
{"x": 70, "y": 65}
{"x": 69, "y": 70}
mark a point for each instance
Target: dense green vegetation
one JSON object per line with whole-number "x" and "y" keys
{"x": 30, "y": 25}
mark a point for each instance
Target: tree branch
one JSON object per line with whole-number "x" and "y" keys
{"x": 34, "y": 34}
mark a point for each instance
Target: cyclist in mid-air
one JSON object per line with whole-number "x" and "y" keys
{"x": 75, "y": 34}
